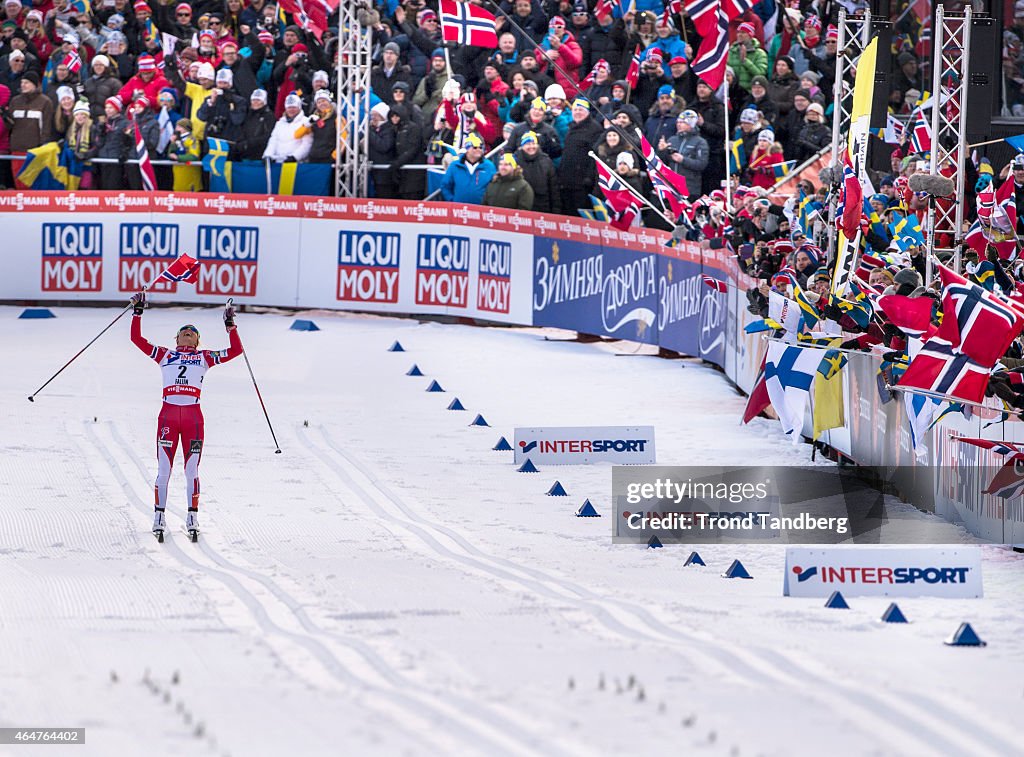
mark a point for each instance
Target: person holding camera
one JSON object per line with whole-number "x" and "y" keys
{"x": 224, "y": 110}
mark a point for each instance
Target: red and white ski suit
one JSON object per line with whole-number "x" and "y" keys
{"x": 180, "y": 417}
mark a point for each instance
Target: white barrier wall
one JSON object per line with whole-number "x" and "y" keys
{"x": 441, "y": 258}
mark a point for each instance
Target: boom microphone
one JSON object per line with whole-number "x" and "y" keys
{"x": 936, "y": 186}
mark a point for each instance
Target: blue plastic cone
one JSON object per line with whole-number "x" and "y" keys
{"x": 694, "y": 559}
{"x": 301, "y": 324}
{"x": 502, "y": 445}
{"x": 965, "y": 637}
{"x": 434, "y": 387}
{"x": 32, "y": 313}
{"x": 396, "y": 347}
{"x": 837, "y": 602}
{"x": 587, "y": 511}
{"x": 654, "y": 543}
{"x": 414, "y": 371}
{"x": 736, "y": 570}
{"x": 557, "y": 490}
{"x": 893, "y": 614}
{"x": 479, "y": 421}
{"x": 456, "y": 405}
{"x": 527, "y": 467}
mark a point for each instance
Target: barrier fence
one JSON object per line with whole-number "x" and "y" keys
{"x": 477, "y": 262}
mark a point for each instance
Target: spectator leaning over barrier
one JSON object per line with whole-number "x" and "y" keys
{"x": 291, "y": 139}
{"x": 539, "y": 171}
{"x": 508, "y": 189}
{"x": 577, "y": 172}
{"x": 467, "y": 178}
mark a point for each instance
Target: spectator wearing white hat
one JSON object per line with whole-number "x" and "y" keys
{"x": 324, "y": 125}
{"x": 13, "y": 67}
{"x": 63, "y": 112}
{"x": 196, "y": 93}
{"x": 258, "y": 126}
{"x": 101, "y": 85}
{"x": 815, "y": 134}
{"x": 224, "y": 109}
{"x": 291, "y": 139}
{"x": 381, "y": 142}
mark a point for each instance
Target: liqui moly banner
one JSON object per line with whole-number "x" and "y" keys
{"x": 579, "y": 445}
{"x": 871, "y": 572}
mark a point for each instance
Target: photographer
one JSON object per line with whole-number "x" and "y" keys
{"x": 294, "y": 66}
{"x": 223, "y": 110}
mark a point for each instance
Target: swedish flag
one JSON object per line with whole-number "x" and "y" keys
{"x": 985, "y": 274}
{"x": 47, "y": 167}
{"x": 216, "y": 160}
{"x": 782, "y": 169}
{"x": 599, "y": 211}
{"x": 906, "y": 227}
{"x": 765, "y": 324}
{"x": 859, "y": 310}
{"x": 831, "y": 363}
{"x": 807, "y": 308}
{"x": 737, "y": 157}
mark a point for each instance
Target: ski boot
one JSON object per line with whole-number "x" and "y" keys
{"x": 192, "y": 525}
{"x": 159, "y": 525}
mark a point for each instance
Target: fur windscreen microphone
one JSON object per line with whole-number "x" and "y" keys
{"x": 936, "y": 186}
{"x": 829, "y": 176}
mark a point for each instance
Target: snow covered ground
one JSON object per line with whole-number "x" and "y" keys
{"x": 391, "y": 585}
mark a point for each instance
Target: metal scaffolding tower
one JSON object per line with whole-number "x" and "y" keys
{"x": 354, "y": 55}
{"x": 950, "y": 66}
{"x": 854, "y": 36}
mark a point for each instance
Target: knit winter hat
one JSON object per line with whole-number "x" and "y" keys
{"x": 115, "y": 101}
{"x": 766, "y": 135}
{"x": 749, "y": 116}
{"x": 259, "y": 95}
{"x": 625, "y": 157}
{"x": 82, "y": 106}
{"x": 225, "y": 76}
{"x": 527, "y": 138}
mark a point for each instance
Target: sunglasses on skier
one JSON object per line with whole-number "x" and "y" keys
{"x": 189, "y": 327}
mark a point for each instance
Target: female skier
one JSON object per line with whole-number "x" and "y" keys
{"x": 183, "y": 369}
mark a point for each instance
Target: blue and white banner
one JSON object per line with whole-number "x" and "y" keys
{"x": 938, "y": 572}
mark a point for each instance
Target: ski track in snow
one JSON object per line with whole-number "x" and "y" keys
{"x": 414, "y": 608}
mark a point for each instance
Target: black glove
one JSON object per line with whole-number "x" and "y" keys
{"x": 229, "y": 317}
{"x": 138, "y": 303}
{"x": 290, "y": 159}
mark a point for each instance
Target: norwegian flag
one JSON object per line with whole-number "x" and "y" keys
{"x": 633, "y": 74}
{"x": 703, "y": 13}
{"x": 588, "y": 80}
{"x": 184, "y": 269}
{"x": 604, "y": 8}
{"x": 142, "y": 155}
{"x": 311, "y": 15}
{"x": 940, "y": 369}
{"x": 977, "y": 323}
{"x": 999, "y": 447}
{"x": 717, "y": 284}
{"x": 467, "y": 24}
{"x": 615, "y": 190}
{"x": 672, "y": 8}
{"x": 709, "y": 64}
{"x": 851, "y": 200}
{"x": 911, "y": 315}
{"x": 623, "y": 219}
{"x": 670, "y": 186}
{"x": 73, "y": 61}
{"x": 921, "y": 133}
{"x": 1008, "y": 481}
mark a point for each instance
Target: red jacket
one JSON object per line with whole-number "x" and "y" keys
{"x": 151, "y": 90}
{"x": 570, "y": 57}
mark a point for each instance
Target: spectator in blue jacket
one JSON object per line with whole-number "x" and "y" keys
{"x": 467, "y": 178}
{"x": 668, "y": 41}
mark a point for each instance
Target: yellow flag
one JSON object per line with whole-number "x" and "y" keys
{"x": 828, "y": 403}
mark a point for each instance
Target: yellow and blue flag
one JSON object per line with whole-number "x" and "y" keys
{"x": 215, "y": 162}
{"x": 808, "y": 311}
{"x": 737, "y": 157}
{"x": 50, "y": 167}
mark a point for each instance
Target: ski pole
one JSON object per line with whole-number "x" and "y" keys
{"x": 258, "y": 395}
{"x": 32, "y": 397}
